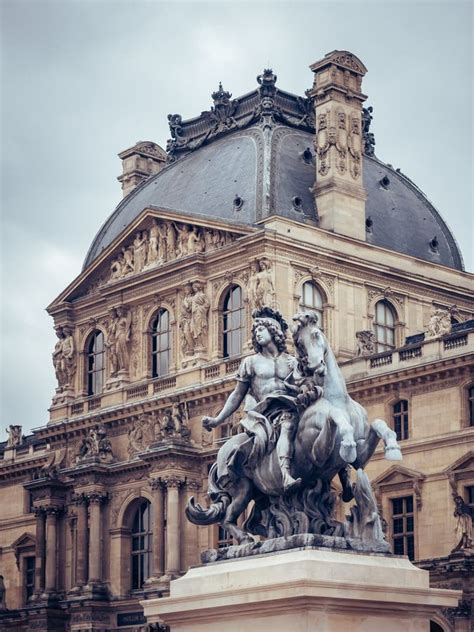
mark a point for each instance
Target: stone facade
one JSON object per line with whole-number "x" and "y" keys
{"x": 124, "y": 448}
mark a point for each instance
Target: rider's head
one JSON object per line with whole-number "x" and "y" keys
{"x": 274, "y": 323}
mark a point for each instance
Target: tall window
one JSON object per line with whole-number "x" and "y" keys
{"x": 470, "y": 499}
{"x": 233, "y": 322}
{"x": 141, "y": 545}
{"x": 29, "y": 580}
{"x": 311, "y": 299}
{"x": 161, "y": 344}
{"x": 400, "y": 419}
{"x": 95, "y": 363}
{"x": 384, "y": 325}
{"x": 403, "y": 527}
{"x": 471, "y": 405}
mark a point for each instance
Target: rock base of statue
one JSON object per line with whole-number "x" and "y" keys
{"x": 300, "y": 590}
{"x": 298, "y": 541}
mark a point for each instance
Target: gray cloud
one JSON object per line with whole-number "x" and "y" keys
{"x": 83, "y": 80}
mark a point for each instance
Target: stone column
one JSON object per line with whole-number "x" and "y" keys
{"x": 190, "y": 555}
{"x": 158, "y": 528}
{"x": 95, "y": 544}
{"x": 40, "y": 550}
{"x": 173, "y": 485}
{"x": 51, "y": 549}
{"x": 81, "y": 540}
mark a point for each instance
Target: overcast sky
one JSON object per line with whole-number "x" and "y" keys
{"x": 83, "y": 80}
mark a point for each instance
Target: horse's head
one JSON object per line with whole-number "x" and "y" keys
{"x": 310, "y": 343}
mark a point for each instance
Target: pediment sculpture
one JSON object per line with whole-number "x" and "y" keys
{"x": 165, "y": 241}
{"x": 301, "y": 430}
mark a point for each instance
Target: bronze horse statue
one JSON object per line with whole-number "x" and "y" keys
{"x": 332, "y": 432}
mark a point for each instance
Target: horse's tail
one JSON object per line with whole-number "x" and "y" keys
{"x": 220, "y": 501}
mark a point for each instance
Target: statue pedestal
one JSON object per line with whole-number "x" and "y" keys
{"x": 301, "y": 590}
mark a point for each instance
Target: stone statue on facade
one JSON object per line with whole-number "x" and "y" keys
{"x": 464, "y": 524}
{"x": 264, "y": 290}
{"x": 199, "y": 317}
{"x": 174, "y": 423}
{"x": 187, "y": 341}
{"x": 141, "y": 434}
{"x": 15, "y": 435}
{"x": 96, "y": 446}
{"x": 439, "y": 323}
{"x": 301, "y": 430}
{"x": 118, "y": 340}
{"x": 366, "y": 343}
{"x": 3, "y": 594}
{"x": 64, "y": 357}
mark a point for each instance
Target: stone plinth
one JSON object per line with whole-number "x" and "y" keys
{"x": 301, "y": 590}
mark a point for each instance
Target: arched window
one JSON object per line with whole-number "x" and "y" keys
{"x": 233, "y": 322}
{"x": 141, "y": 545}
{"x": 384, "y": 326}
{"x": 400, "y": 419}
{"x": 95, "y": 363}
{"x": 312, "y": 299}
{"x": 160, "y": 344}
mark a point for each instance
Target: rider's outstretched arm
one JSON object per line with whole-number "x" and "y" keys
{"x": 232, "y": 404}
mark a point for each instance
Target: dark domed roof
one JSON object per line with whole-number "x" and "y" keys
{"x": 268, "y": 168}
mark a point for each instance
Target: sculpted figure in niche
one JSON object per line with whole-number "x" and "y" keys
{"x": 3, "y": 594}
{"x": 58, "y": 358}
{"x": 199, "y": 316}
{"x": 118, "y": 339}
{"x": 170, "y": 241}
{"x": 68, "y": 354}
{"x": 111, "y": 343}
{"x": 366, "y": 343}
{"x": 141, "y": 434}
{"x": 265, "y": 290}
{"x": 464, "y": 526}
{"x": 439, "y": 324}
{"x": 187, "y": 341}
{"x": 15, "y": 436}
{"x": 252, "y": 284}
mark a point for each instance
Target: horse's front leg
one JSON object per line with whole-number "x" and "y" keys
{"x": 378, "y": 430}
{"x": 241, "y": 496}
{"x": 348, "y": 448}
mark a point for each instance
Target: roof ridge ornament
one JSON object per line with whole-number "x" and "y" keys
{"x": 221, "y": 96}
{"x": 368, "y": 137}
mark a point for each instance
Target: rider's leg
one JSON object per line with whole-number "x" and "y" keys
{"x": 241, "y": 496}
{"x": 284, "y": 450}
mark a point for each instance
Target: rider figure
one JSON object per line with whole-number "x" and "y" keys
{"x": 261, "y": 378}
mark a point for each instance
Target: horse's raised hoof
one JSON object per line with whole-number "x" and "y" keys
{"x": 348, "y": 451}
{"x": 393, "y": 454}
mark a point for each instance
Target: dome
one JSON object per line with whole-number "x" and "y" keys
{"x": 267, "y": 168}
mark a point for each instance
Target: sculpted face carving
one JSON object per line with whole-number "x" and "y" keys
{"x": 163, "y": 242}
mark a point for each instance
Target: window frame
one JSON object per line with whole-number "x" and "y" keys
{"x": 403, "y": 416}
{"x": 29, "y": 588}
{"x": 141, "y": 557}
{"x": 405, "y": 535}
{"x": 382, "y": 345}
{"x": 156, "y": 336}
{"x": 306, "y": 307}
{"x": 91, "y": 373}
{"x": 227, "y": 331}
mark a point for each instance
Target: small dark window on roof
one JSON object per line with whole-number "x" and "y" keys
{"x": 434, "y": 244}
{"x": 369, "y": 222}
{"x": 385, "y": 182}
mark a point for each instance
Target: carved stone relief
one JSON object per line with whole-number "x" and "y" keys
{"x": 261, "y": 289}
{"x": 95, "y": 446}
{"x": 15, "y": 436}
{"x": 165, "y": 241}
{"x": 118, "y": 340}
{"x": 366, "y": 343}
{"x": 439, "y": 323}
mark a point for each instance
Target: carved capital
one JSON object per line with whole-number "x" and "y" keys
{"x": 192, "y": 485}
{"x": 79, "y": 499}
{"x": 97, "y": 498}
{"x": 39, "y": 511}
{"x": 156, "y": 483}
{"x": 173, "y": 482}
{"x": 53, "y": 511}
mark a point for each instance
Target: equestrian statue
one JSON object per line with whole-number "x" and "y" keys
{"x": 301, "y": 429}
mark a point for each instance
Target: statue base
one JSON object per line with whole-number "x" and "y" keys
{"x": 297, "y": 589}
{"x": 298, "y": 541}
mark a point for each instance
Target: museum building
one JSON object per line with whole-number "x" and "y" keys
{"x": 266, "y": 199}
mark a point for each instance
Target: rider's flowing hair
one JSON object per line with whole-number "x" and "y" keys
{"x": 267, "y": 317}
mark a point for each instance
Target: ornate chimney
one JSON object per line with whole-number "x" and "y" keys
{"x": 139, "y": 162}
{"x": 339, "y": 191}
